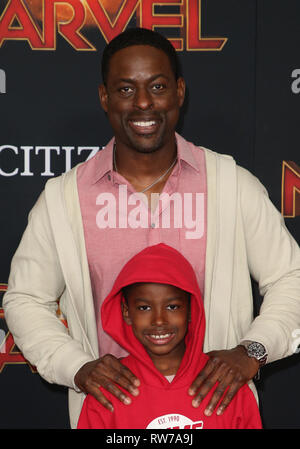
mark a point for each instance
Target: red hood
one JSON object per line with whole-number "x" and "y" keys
{"x": 165, "y": 265}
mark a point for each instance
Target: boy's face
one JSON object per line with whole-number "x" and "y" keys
{"x": 159, "y": 315}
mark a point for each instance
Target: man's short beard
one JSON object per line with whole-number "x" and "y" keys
{"x": 143, "y": 150}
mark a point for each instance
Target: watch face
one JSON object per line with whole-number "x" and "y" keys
{"x": 256, "y": 350}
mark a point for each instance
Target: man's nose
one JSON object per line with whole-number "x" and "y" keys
{"x": 143, "y": 99}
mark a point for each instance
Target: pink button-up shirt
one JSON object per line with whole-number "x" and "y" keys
{"x": 118, "y": 223}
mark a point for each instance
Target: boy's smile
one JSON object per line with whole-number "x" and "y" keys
{"x": 160, "y": 339}
{"x": 158, "y": 314}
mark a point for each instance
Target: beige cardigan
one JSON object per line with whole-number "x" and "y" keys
{"x": 245, "y": 232}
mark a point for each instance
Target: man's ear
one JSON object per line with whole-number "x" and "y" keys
{"x": 181, "y": 90}
{"x": 103, "y": 96}
{"x": 125, "y": 313}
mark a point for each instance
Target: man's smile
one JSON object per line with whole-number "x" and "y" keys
{"x": 144, "y": 126}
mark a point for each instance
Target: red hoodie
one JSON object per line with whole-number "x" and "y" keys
{"x": 162, "y": 404}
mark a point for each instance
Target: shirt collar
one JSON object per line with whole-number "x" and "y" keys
{"x": 185, "y": 153}
{"x": 104, "y": 162}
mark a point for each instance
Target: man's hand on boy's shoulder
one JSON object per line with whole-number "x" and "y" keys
{"x": 231, "y": 369}
{"x": 107, "y": 372}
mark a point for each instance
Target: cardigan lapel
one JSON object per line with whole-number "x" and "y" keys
{"x": 221, "y": 218}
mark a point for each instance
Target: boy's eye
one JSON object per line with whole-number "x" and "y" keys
{"x": 143, "y": 308}
{"x": 172, "y": 307}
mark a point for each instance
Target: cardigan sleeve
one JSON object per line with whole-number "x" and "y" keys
{"x": 31, "y": 301}
{"x": 274, "y": 262}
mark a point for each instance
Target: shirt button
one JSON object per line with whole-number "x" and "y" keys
{"x": 152, "y": 225}
{"x": 109, "y": 177}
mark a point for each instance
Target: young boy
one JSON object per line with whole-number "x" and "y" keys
{"x": 155, "y": 311}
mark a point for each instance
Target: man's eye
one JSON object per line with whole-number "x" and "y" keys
{"x": 125, "y": 90}
{"x": 158, "y": 86}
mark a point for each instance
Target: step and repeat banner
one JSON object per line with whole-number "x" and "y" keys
{"x": 241, "y": 63}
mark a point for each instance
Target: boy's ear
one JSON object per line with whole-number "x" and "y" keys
{"x": 125, "y": 313}
{"x": 189, "y": 312}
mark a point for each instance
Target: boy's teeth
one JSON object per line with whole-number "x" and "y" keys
{"x": 158, "y": 337}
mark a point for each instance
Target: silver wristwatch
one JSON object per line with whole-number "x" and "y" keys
{"x": 256, "y": 350}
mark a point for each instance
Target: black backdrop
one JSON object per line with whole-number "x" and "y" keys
{"x": 243, "y": 99}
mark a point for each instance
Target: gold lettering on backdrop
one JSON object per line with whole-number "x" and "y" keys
{"x": 40, "y": 21}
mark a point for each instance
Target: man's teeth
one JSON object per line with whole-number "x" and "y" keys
{"x": 160, "y": 337}
{"x": 149, "y": 123}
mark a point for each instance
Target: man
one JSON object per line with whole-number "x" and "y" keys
{"x": 81, "y": 233}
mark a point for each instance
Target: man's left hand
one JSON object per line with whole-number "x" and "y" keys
{"x": 232, "y": 369}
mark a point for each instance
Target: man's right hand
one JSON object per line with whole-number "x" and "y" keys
{"x": 106, "y": 372}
